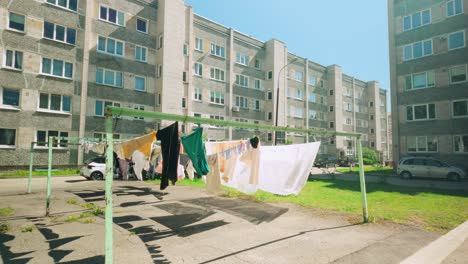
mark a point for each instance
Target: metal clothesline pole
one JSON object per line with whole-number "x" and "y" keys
{"x": 110, "y": 111}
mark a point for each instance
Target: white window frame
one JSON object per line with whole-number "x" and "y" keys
{"x": 298, "y": 112}
{"x": 348, "y": 106}
{"x": 258, "y": 84}
{"x": 453, "y": 33}
{"x": 197, "y": 94}
{"x": 242, "y": 59}
{"x": 198, "y": 69}
{"x": 257, "y": 64}
{"x": 242, "y": 102}
{"x": 414, "y": 112}
{"x": 242, "y": 80}
{"x": 54, "y": 38}
{"x": 66, "y": 8}
{"x": 462, "y": 147}
{"x": 13, "y": 60}
{"x": 51, "y": 74}
{"x": 14, "y": 29}
{"x": 112, "y": 103}
{"x": 135, "y": 82}
{"x": 221, "y": 73}
{"x": 217, "y": 96}
{"x": 313, "y": 114}
{"x": 417, "y": 139}
{"x": 115, "y": 77}
{"x": 412, "y": 45}
{"x": 257, "y": 105}
{"x": 454, "y": 8}
{"x": 410, "y": 16}
{"x": 115, "y": 46}
{"x": 427, "y": 85}
{"x": 218, "y": 51}
{"x": 457, "y": 66}
{"x": 36, "y": 146}
{"x": 145, "y": 59}
{"x": 311, "y": 96}
{"x": 160, "y": 41}
{"x": 298, "y": 76}
{"x": 107, "y": 16}
{"x": 312, "y": 80}
{"x": 147, "y": 25}
{"x": 16, "y": 139}
{"x": 299, "y": 94}
{"x": 199, "y": 44}
{"x": 160, "y": 70}
{"x": 453, "y": 108}
{"x": 138, "y": 107}
{"x": 6, "y": 106}
{"x": 49, "y": 102}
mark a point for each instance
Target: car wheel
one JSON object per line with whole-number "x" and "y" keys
{"x": 97, "y": 176}
{"x": 453, "y": 176}
{"x": 406, "y": 175}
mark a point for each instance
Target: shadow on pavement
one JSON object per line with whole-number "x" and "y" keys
{"x": 376, "y": 187}
{"x": 7, "y": 255}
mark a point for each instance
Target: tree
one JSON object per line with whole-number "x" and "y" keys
{"x": 369, "y": 156}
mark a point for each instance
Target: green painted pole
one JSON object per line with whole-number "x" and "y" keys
{"x": 109, "y": 178}
{"x": 49, "y": 175}
{"x": 31, "y": 160}
{"x": 362, "y": 181}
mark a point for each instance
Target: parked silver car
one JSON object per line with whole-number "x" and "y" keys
{"x": 429, "y": 168}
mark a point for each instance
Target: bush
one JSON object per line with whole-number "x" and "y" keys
{"x": 369, "y": 156}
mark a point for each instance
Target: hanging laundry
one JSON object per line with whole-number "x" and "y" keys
{"x": 170, "y": 147}
{"x": 251, "y": 159}
{"x": 190, "y": 170}
{"x": 213, "y": 180}
{"x": 123, "y": 164}
{"x": 98, "y": 148}
{"x": 139, "y": 159}
{"x": 195, "y": 149}
{"x": 218, "y": 147}
{"x": 142, "y": 144}
{"x": 284, "y": 169}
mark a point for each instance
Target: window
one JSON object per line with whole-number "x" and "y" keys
{"x": 348, "y": 92}
{"x": 184, "y": 76}
{"x": 362, "y": 123}
{"x": 420, "y": 80}
{"x": 110, "y": 46}
{"x": 420, "y": 112}
{"x": 371, "y": 104}
{"x": 257, "y": 105}
{"x": 67, "y": 4}
{"x": 312, "y": 97}
{"x": 199, "y": 44}
{"x": 257, "y": 64}
{"x": 312, "y": 80}
{"x": 16, "y": 22}
{"x": 270, "y": 75}
{"x": 331, "y": 108}
{"x": 57, "y": 68}
{"x": 331, "y": 92}
{"x": 269, "y": 115}
{"x": 142, "y": 25}
{"x": 59, "y": 33}
{"x": 108, "y": 77}
{"x": 217, "y": 98}
{"x": 7, "y": 137}
{"x": 417, "y": 19}
{"x": 458, "y": 74}
{"x": 348, "y": 121}
{"x": 100, "y": 107}
{"x": 9, "y": 98}
{"x": 102, "y": 137}
{"x": 197, "y": 94}
{"x": 141, "y": 108}
{"x": 160, "y": 41}
{"x": 417, "y": 50}
{"x": 112, "y": 16}
{"x": 42, "y": 137}
{"x": 140, "y": 53}
{"x": 160, "y": 70}
{"x": 217, "y": 50}
{"x": 454, "y": 7}
{"x": 140, "y": 83}
{"x": 14, "y": 59}
{"x": 312, "y": 114}
{"x": 270, "y": 95}
{"x": 298, "y": 76}
{"x": 372, "y": 131}
{"x": 258, "y": 84}
{"x": 348, "y": 107}
{"x": 371, "y": 117}
{"x": 242, "y": 102}
{"x": 242, "y": 80}
{"x": 270, "y": 136}
{"x": 198, "y": 69}
{"x": 321, "y": 83}
{"x": 217, "y": 74}
{"x": 460, "y": 144}
{"x": 185, "y": 49}
{"x": 299, "y": 93}
{"x": 288, "y": 92}
{"x": 460, "y": 108}
{"x": 422, "y": 144}
{"x": 331, "y": 124}
{"x": 242, "y": 59}
{"x": 298, "y": 112}
{"x": 456, "y": 40}
{"x": 357, "y": 108}
{"x": 55, "y": 102}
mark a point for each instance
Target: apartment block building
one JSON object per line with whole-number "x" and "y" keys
{"x": 64, "y": 61}
{"x": 429, "y": 88}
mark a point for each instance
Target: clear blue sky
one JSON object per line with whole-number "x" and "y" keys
{"x": 352, "y": 34}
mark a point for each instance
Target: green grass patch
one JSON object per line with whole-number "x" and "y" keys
{"x": 95, "y": 210}
{"x": 4, "y": 228}
{"x": 184, "y": 182}
{"x": 25, "y": 173}
{"x": 72, "y": 201}
{"x": 378, "y": 170}
{"x": 27, "y": 229}
{"x": 6, "y": 211}
{"x": 72, "y": 218}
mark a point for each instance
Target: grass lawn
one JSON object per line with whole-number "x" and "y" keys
{"x": 384, "y": 171}
{"x": 433, "y": 210}
{"x": 6, "y": 211}
{"x": 25, "y": 173}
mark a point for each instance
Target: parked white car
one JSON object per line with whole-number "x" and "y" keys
{"x": 428, "y": 167}
{"x": 94, "y": 169}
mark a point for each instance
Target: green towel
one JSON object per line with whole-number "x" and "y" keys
{"x": 195, "y": 149}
